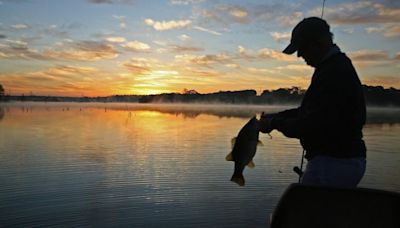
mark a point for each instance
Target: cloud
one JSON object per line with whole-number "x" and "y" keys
{"x": 84, "y": 50}
{"x": 116, "y": 39}
{"x": 178, "y": 48}
{"x": 143, "y": 65}
{"x": 53, "y": 76}
{"x": 20, "y": 26}
{"x": 244, "y": 53}
{"x": 239, "y": 14}
{"x": 348, "y": 30}
{"x": 291, "y": 20}
{"x": 264, "y": 53}
{"x": 366, "y": 58}
{"x": 281, "y": 36}
{"x": 136, "y": 46}
{"x": 185, "y": 2}
{"x": 382, "y": 80}
{"x": 167, "y": 25}
{"x": 56, "y": 31}
{"x": 203, "y": 60}
{"x": 397, "y": 56}
{"x": 260, "y": 70}
{"x": 296, "y": 68}
{"x": 184, "y": 37}
{"x": 111, "y": 1}
{"x": 100, "y": 1}
{"x": 207, "y": 30}
{"x": 66, "y": 71}
{"x": 369, "y": 55}
{"x": 361, "y": 12}
{"x": 167, "y": 48}
{"x": 225, "y": 14}
{"x": 136, "y": 68}
{"x": 388, "y": 30}
{"x": 64, "y": 80}
{"x": 17, "y": 49}
{"x": 122, "y": 23}
{"x": 373, "y": 29}
{"x": 267, "y": 53}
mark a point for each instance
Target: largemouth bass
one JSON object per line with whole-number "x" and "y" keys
{"x": 244, "y": 149}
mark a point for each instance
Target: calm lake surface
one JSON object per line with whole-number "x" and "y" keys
{"x": 132, "y": 165}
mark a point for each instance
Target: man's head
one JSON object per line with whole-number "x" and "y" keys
{"x": 311, "y": 39}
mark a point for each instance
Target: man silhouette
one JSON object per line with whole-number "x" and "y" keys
{"x": 332, "y": 113}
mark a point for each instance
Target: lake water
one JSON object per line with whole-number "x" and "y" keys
{"x": 71, "y": 164}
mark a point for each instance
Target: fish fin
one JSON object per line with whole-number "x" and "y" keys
{"x": 238, "y": 179}
{"x": 233, "y": 141}
{"x": 229, "y": 157}
{"x": 259, "y": 143}
{"x": 251, "y": 164}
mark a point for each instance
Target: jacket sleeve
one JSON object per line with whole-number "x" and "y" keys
{"x": 290, "y": 113}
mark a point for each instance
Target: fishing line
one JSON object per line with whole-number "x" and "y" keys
{"x": 323, "y": 6}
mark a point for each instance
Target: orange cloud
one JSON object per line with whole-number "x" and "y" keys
{"x": 385, "y": 81}
{"x": 136, "y": 69}
{"x": 369, "y": 55}
{"x": 17, "y": 49}
{"x": 267, "y": 53}
{"x": 204, "y": 60}
{"x": 84, "y": 50}
{"x": 366, "y": 58}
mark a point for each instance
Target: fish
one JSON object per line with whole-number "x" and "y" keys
{"x": 244, "y": 148}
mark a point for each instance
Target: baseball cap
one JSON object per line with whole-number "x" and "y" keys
{"x": 309, "y": 29}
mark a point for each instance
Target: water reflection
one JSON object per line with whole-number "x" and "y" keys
{"x": 374, "y": 115}
{"x": 2, "y": 112}
{"x": 153, "y": 165}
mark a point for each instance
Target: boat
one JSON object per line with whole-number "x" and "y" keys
{"x": 331, "y": 207}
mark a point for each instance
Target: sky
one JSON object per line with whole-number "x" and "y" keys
{"x": 109, "y": 47}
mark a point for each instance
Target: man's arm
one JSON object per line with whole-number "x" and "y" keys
{"x": 266, "y": 120}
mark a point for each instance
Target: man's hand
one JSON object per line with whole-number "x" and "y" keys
{"x": 265, "y": 124}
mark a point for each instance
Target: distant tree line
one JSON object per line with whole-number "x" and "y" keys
{"x": 379, "y": 96}
{"x": 375, "y": 96}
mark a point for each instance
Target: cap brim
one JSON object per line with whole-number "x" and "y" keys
{"x": 290, "y": 49}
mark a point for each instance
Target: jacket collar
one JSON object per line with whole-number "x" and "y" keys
{"x": 333, "y": 51}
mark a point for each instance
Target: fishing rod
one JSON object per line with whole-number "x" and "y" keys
{"x": 323, "y": 6}
{"x": 298, "y": 170}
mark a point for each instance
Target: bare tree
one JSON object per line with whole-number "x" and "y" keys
{"x": 1, "y": 91}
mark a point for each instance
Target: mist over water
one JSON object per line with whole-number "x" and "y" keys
{"x": 117, "y": 164}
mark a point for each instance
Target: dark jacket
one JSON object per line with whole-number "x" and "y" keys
{"x": 332, "y": 113}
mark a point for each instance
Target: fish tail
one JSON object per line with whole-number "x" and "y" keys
{"x": 238, "y": 179}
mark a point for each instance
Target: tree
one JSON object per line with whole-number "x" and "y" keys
{"x": 189, "y": 91}
{"x": 1, "y": 92}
